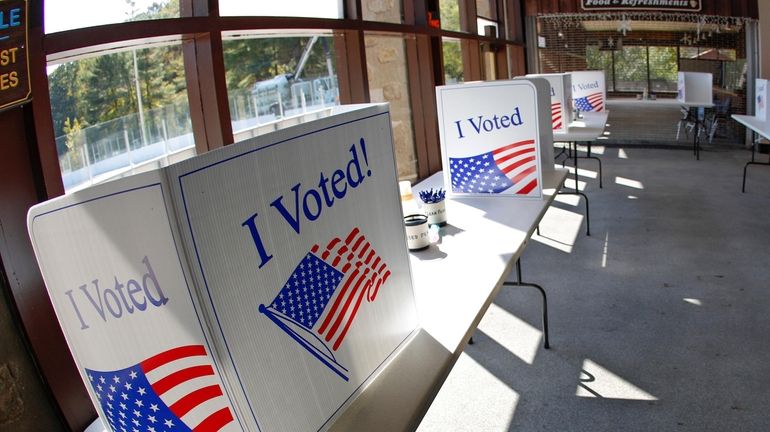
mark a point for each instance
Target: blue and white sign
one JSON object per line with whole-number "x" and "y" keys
{"x": 589, "y": 91}
{"x": 292, "y": 273}
{"x": 760, "y": 100}
{"x": 561, "y": 99}
{"x": 695, "y": 88}
{"x": 491, "y": 137}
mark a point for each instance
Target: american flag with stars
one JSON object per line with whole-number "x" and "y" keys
{"x": 592, "y": 102}
{"x": 322, "y": 296}
{"x": 556, "y": 114}
{"x": 175, "y": 390}
{"x": 513, "y": 166}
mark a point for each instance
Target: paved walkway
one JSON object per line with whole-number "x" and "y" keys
{"x": 660, "y": 321}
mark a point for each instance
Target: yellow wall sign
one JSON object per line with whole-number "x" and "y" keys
{"x": 14, "y": 64}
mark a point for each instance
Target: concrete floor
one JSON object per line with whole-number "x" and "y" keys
{"x": 660, "y": 320}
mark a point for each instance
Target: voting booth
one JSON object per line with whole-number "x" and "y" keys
{"x": 694, "y": 88}
{"x": 496, "y": 137}
{"x": 760, "y": 100}
{"x": 589, "y": 91}
{"x": 258, "y": 287}
{"x": 561, "y": 99}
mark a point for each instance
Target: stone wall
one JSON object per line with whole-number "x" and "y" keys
{"x": 386, "y": 67}
{"x": 24, "y": 402}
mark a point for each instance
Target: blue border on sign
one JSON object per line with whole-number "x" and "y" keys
{"x": 179, "y": 259}
{"x": 539, "y": 160}
{"x": 205, "y": 281}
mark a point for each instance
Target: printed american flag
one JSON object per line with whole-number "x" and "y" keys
{"x": 513, "y": 166}
{"x": 322, "y": 296}
{"x": 592, "y": 102}
{"x": 556, "y": 113}
{"x": 175, "y": 390}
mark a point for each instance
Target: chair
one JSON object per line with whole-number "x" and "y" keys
{"x": 688, "y": 120}
{"x": 721, "y": 112}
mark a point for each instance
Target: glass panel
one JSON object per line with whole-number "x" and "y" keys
{"x": 688, "y": 52}
{"x": 453, "y": 61}
{"x": 727, "y": 54}
{"x": 383, "y": 10}
{"x": 486, "y": 9}
{"x": 631, "y": 69}
{"x": 108, "y": 123}
{"x": 389, "y": 82}
{"x": 450, "y": 14}
{"x": 599, "y": 59}
{"x": 289, "y": 8}
{"x": 663, "y": 69}
{"x": 63, "y": 15}
{"x": 486, "y": 27}
{"x": 270, "y": 78}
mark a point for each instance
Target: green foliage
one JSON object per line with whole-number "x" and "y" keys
{"x": 248, "y": 61}
{"x": 449, "y": 11}
{"x": 96, "y": 90}
{"x": 453, "y": 61}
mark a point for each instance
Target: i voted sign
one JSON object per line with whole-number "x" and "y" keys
{"x": 561, "y": 99}
{"x": 117, "y": 282}
{"x": 490, "y": 138}
{"x": 589, "y": 91}
{"x": 258, "y": 287}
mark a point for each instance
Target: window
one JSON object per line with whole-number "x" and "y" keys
{"x": 288, "y": 8}
{"x": 271, "y": 77}
{"x": 118, "y": 112}
{"x": 663, "y": 69}
{"x": 453, "y": 61}
{"x": 61, "y": 15}
{"x": 450, "y": 14}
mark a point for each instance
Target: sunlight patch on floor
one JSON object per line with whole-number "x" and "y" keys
{"x": 513, "y": 334}
{"x": 490, "y": 410}
{"x": 582, "y": 172}
{"x": 693, "y": 301}
{"x": 597, "y": 382}
{"x": 604, "y": 251}
{"x": 569, "y": 199}
{"x": 559, "y": 229}
{"x": 622, "y": 181}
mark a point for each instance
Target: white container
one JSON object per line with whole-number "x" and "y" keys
{"x": 417, "y": 232}
{"x": 436, "y": 212}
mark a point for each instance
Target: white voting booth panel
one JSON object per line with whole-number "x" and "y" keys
{"x": 694, "y": 88}
{"x": 495, "y": 137}
{"x": 256, "y": 287}
{"x": 589, "y": 91}
{"x": 760, "y": 100}
{"x": 561, "y": 99}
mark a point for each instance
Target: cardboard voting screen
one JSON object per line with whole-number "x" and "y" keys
{"x": 492, "y": 137}
{"x": 695, "y": 88}
{"x": 760, "y": 100}
{"x": 561, "y": 99}
{"x": 276, "y": 268}
{"x": 589, "y": 91}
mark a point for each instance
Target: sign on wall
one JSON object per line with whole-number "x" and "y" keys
{"x": 760, "y": 100}
{"x": 655, "y": 5}
{"x": 589, "y": 91}
{"x": 14, "y": 65}
{"x": 276, "y": 293}
{"x": 491, "y": 136}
